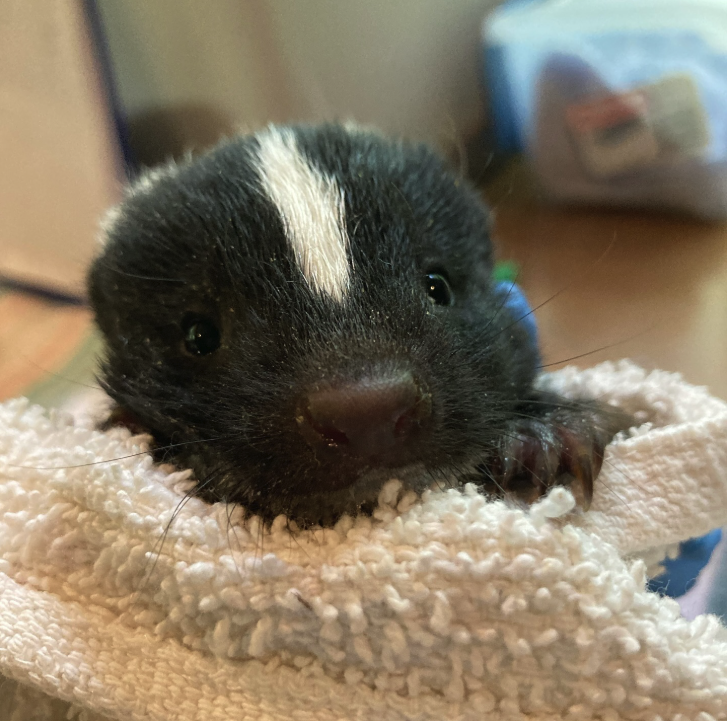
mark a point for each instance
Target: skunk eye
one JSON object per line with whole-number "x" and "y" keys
{"x": 201, "y": 335}
{"x": 438, "y": 289}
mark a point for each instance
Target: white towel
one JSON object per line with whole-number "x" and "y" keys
{"x": 445, "y": 607}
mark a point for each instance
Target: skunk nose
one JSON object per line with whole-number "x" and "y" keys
{"x": 368, "y": 418}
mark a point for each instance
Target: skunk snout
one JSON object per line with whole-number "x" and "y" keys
{"x": 374, "y": 418}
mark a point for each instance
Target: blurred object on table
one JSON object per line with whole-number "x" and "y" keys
{"x": 615, "y": 102}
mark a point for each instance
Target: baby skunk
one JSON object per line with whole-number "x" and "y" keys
{"x": 302, "y": 314}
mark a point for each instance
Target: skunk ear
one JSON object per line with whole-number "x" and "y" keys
{"x": 143, "y": 183}
{"x": 108, "y": 222}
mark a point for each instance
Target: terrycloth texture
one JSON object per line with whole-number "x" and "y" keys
{"x": 448, "y": 607}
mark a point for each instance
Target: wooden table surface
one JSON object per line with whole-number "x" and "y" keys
{"x": 650, "y": 286}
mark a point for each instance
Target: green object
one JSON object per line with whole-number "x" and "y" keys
{"x": 507, "y": 270}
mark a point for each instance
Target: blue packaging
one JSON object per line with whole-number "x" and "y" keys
{"x": 618, "y": 102}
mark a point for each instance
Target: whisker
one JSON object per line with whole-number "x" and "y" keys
{"x": 60, "y": 376}
{"x": 610, "y": 490}
{"x": 119, "y": 458}
{"x": 560, "y": 292}
{"x": 126, "y": 274}
{"x": 623, "y": 473}
{"x": 480, "y": 333}
{"x": 295, "y": 540}
{"x": 483, "y": 469}
{"x": 597, "y": 350}
{"x": 229, "y": 510}
{"x": 156, "y": 555}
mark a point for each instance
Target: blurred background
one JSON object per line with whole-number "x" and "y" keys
{"x": 596, "y": 130}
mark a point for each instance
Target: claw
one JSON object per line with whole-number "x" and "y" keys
{"x": 599, "y": 451}
{"x": 537, "y": 468}
{"x": 567, "y": 447}
{"x": 551, "y": 461}
{"x": 578, "y": 462}
{"x": 582, "y": 469}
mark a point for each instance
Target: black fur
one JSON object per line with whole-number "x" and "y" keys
{"x": 205, "y": 240}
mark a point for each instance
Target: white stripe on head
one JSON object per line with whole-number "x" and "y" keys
{"x": 312, "y": 208}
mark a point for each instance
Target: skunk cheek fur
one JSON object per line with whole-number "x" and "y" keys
{"x": 308, "y": 249}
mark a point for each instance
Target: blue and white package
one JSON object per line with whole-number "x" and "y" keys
{"x": 620, "y": 102}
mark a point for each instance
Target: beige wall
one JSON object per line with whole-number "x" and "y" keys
{"x": 409, "y": 66}
{"x": 189, "y": 70}
{"x": 58, "y": 162}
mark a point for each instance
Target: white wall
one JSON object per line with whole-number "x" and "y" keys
{"x": 408, "y": 66}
